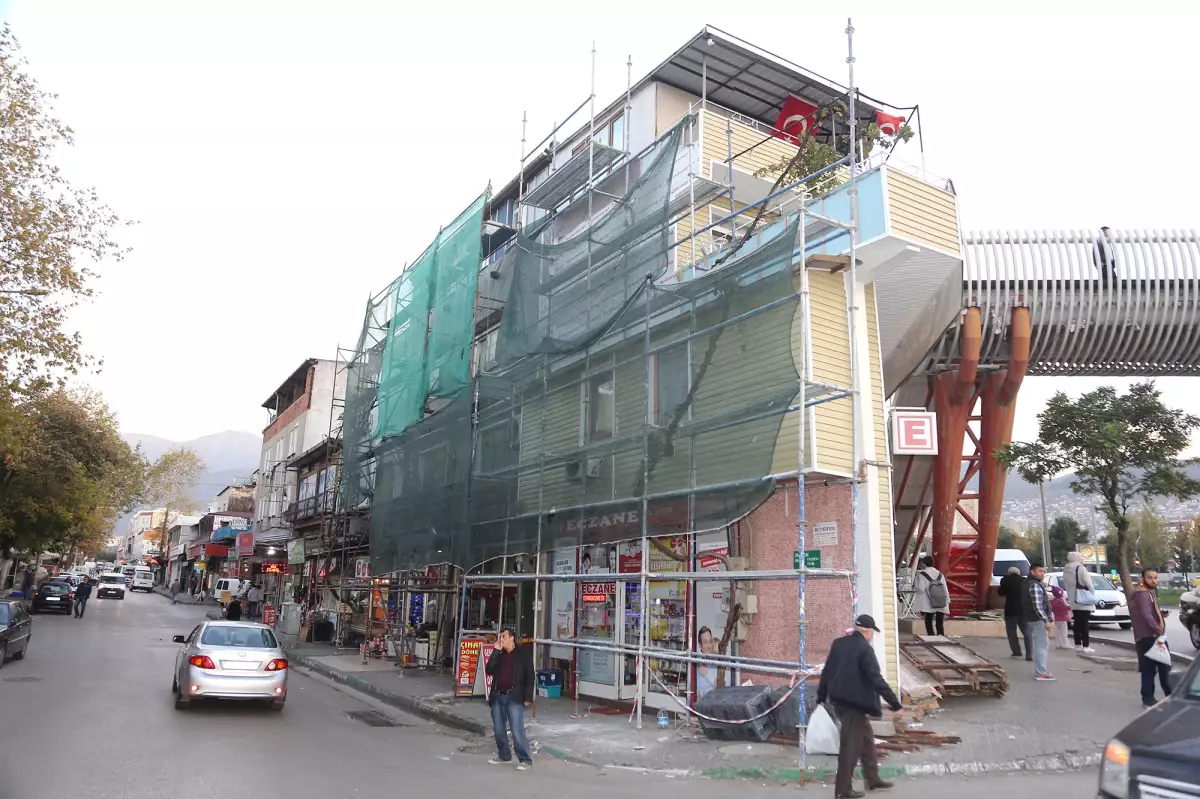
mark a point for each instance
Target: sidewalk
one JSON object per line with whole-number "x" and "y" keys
{"x": 1034, "y": 727}
{"x": 184, "y": 599}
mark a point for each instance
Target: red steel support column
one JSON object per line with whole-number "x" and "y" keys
{"x": 953, "y": 394}
{"x": 998, "y": 408}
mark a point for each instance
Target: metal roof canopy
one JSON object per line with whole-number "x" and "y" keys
{"x": 748, "y": 79}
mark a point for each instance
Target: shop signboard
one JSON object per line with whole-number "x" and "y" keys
{"x": 295, "y": 551}
{"x": 362, "y": 568}
{"x": 825, "y": 534}
{"x": 621, "y": 522}
{"x": 470, "y": 651}
{"x": 273, "y": 568}
{"x": 709, "y": 563}
{"x": 1092, "y": 553}
{"x": 593, "y": 593}
{"x": 245, "y": 542}
{"x": 914, "y": 433}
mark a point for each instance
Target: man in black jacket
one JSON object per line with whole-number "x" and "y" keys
{"x": 82, "y": 592}
{"x": 852, "y": 682}
{"x": 1012, "y": 590}
{"x": 511, "y": 669}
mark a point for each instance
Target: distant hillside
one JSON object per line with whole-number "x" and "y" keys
{"x": 1017, "y": 490}
{"x": 231, "y": 456}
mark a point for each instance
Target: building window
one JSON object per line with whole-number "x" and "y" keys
{"x": 669, "y": 389}
{"x": 611, "y": 133}
{"x": 600, "y": 407}
{"x": 292, "y": 435}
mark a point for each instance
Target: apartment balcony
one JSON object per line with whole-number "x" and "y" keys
{"x": 309, "y": 509}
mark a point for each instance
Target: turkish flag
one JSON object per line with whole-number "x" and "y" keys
{"x": 796, "y": 119}
{"x": 888, "y": 124}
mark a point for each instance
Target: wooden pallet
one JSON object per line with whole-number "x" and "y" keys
{"x": 958, "y": 670}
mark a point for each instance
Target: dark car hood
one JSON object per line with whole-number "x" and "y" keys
{"x": 1169, "y": 730}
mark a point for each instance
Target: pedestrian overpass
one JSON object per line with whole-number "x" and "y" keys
{"x": 960, "y": 342}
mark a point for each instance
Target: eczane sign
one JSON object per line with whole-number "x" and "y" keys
{"x": 914, "y": 433}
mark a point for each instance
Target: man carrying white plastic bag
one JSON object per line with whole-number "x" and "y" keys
{"x": 1149, "y": 633}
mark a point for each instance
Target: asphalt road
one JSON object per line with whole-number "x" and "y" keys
{"x": 89, "y": 712}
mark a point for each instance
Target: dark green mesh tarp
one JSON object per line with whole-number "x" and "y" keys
{"x": 566, "y": 293}
{"x": 402, "y": 379}
{"x": 679, "y": 401}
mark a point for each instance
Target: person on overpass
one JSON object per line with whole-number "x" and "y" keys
{"x": 1104, "y": 257}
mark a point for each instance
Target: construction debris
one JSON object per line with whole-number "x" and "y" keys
{"x": 954, "y": 667}
{"x": 915, "y": 741}
{"x": 918, "y": 692}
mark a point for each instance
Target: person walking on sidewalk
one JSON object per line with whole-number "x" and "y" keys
{"x": 851, "y": 680}
{"x": 255, "y": 597}
{"x": 1012, "y": 588}
{"x": 1077, "y": 579}
{"x": 82, "y": 592}
{"x": 1039, "y": 623}
{"x": 175, "y": 592}
{"x": 932, "y": 598}
{"x": 1149, "y": 622}
{"x": 1061, "y": 608}
{"x": 511, "y": 669}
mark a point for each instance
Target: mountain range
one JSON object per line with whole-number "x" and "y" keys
{"x": 231, "y": 456}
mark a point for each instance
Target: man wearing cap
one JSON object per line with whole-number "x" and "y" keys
{"x": 851, "y": 680}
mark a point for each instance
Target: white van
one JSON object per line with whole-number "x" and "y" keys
{"x": 143, "y": 579}
{"x": 230, "y": 584}
{"x": 1005, "y": 560}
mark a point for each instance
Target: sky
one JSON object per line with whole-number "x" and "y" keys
{"x": 283, "y": 161}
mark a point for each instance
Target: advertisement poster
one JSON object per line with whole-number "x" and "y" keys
{"x": 245, "y": 543}
{"x": 562, "y": 603}
{"x": 469, "y": 651}
{"x": 268, "y": 615}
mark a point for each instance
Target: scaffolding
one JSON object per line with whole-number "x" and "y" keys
{"x": 628, "y": 385}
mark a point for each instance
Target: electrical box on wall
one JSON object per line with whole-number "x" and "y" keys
{"x": 738, "y": 564}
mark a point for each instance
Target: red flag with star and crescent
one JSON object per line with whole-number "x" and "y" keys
{"x": 888, "y": 125}
{"x": 797, "y": 119}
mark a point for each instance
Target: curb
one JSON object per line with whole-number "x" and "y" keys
{"x": 1041, "y": 763}
{"x": 433, "y": 712}
{"x": 1182, "y": 659}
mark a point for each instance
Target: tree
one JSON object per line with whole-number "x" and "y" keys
{"x": 1151, "y": 543}
{"x": 47, "y": 227}
{"x": 1006, "y": 538}
{"x": 1122, "y": 448}
{"x": 1065, "y": 534}
{"x": 1184, "y": 544}
{"x": 169, "y": 483}
{"x": 65, "y": 474}
{"x": 818, "y": 155}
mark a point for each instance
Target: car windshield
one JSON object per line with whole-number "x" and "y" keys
{"x": 1102, "y": 583}
{"x": 112, "y": 578}
{"x": 231, "y": 635}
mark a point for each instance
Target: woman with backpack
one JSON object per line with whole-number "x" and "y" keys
{"x": 932, "y": 598}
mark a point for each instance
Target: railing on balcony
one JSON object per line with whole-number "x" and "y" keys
{"x": 309, "y": 507}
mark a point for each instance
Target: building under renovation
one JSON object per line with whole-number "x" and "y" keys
{"x": 632, "y": 403}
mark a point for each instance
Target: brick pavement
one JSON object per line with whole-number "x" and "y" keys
{"x": 1035, "y": 726}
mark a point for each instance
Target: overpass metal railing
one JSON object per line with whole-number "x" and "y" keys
{"x": 1121, "y": 304}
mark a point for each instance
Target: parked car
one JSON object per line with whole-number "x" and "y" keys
{"x": 230, "y": 660}
{"x": 112, "y": 584}
{"x": 1111, "y": 605}
{"x": 1178, "y": 581}
{"x": 1155, "y": 755}
{"x": 16, "y": 628}
{"x": 53, "y": 595}
{"x": 1189, "y": 615}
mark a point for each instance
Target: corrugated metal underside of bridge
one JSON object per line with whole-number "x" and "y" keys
{"x": 1128, "y": 307}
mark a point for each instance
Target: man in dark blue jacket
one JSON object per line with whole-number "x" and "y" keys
{"x": 82, "y": 592}
{"x": 851, "y": 680}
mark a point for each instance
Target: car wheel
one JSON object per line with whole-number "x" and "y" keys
{"x": 1194, "y": 634}
{"x": 21, "y": 655}
{"x": 175, "y": 685}
{"x": 180, "y": 702}
{"x": 1126, "y": 625}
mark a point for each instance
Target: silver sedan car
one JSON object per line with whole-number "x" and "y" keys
{"x": 230, "y": 660}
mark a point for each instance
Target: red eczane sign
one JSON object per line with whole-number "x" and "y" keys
{"x": 914, "y": 433}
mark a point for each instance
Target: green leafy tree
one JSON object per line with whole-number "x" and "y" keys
{"x": 65, "y": 474}
{"x": 1186, "y": 544}
{"x": 1123, "y": 448}
{"x": 48, "y": 230}
{"x": 1065, "y": 534}
{"x": 1006, "y": 538}
{"x": 168, "y": 485}
{"x": 1152, "y": 545}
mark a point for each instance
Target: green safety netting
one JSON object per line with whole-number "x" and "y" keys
{"x": 429, "y": 341}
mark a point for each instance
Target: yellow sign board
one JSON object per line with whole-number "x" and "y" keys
{"x": 1093, "y": 553}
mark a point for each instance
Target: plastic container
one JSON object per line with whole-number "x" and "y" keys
{"x": 550, "y": 691}
{"x": 549, "y": 677}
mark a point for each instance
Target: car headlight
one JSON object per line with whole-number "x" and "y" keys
{"x": 1121, "y": 600}
{"x": 1114, "y": 771}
